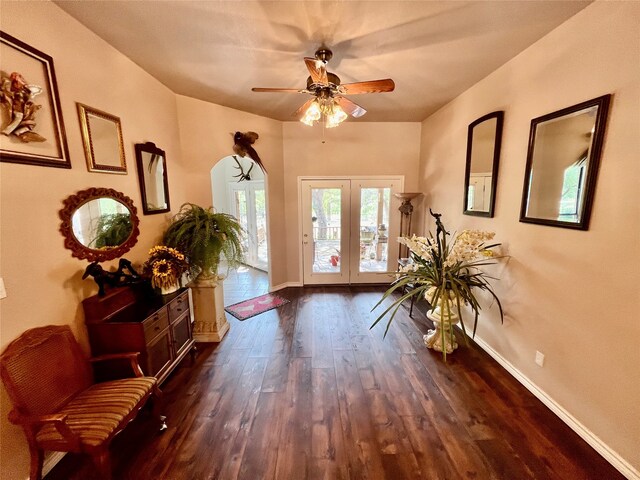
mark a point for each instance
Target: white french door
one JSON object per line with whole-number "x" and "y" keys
{"x": 349, "y": 229}
{"x": 247, "y": 204}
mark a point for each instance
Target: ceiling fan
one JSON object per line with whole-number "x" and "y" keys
{"x": 329, "y": 94}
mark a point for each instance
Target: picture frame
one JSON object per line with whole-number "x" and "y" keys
{"x": 102, "y": 140}
{"x": 32, "y": 129}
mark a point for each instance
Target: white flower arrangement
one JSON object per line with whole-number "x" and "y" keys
{"x": 445, "y": 272}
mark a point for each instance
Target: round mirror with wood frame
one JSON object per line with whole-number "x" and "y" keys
{"x": 99, "y": 224}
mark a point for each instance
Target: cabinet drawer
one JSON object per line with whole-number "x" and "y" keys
{"x": 155, "y": 324}
{"x": 178, "y": 307}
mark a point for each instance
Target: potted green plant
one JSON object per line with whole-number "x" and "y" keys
{"x": 446, "y": 272}
{"x": 205, "y": 236}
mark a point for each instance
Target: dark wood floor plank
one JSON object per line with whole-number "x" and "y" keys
{"x": 308, "y": 391}
{"x": 294, "y": 442}
{"x": 303, "y": 333}
{"x": 327, "y": 441}
{"x": 321, "y": 350}
{"x": 263, "y": 344}
{"x": 277, "y": 374}
{"x": 234, "y": 432}
{"x": 287, "y": 314}
{"x": 468, "y": 459}
{"x": 261, "y": 453}
{"x": 365, "y": 461}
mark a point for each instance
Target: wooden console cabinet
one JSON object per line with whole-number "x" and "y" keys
{"x": 132, "y": 319}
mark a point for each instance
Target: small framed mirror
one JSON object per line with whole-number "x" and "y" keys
{"x": 562, "y": 164}
{"x": 481, "y": 172}
{"x": 99, "y": 224}
{"x": 152, "y": 174}
{"x": 102, "y": 139}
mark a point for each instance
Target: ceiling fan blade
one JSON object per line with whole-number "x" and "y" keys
{"x": 372, "y": 86}
{"x": 279, "y": 90}
{"x": 317, "y": 69}
{"x": 350, "y": 107}
{"x": 299, "y": 112}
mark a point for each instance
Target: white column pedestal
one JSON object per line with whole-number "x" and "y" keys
{"x": 208, "y": 303}
{"x": 434, "y": 338}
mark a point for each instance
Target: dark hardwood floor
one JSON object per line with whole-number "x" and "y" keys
{"x": 309, "y": 392}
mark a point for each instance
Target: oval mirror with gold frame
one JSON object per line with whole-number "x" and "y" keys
{"x": 99, "y": 224}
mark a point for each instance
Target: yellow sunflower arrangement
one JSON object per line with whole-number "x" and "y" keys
{"x": 165, "y": 266}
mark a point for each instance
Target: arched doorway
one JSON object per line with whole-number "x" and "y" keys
{"x": 238, "y": 188}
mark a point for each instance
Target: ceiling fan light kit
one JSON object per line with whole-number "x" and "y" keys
{"x": 330, "y": 101}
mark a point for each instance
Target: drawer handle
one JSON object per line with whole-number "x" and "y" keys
{"x": 178, "y": 309}
{"x": 157, "y": 327}
{"x": 179, "y": 301}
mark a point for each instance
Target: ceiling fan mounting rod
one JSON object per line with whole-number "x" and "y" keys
{"x": 324, "y": 54}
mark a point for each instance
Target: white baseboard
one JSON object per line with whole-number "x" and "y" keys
{"x": 598, "y": 445}
{"x": 282, "y": 286}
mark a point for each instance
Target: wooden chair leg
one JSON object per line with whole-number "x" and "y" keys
{"x": 37, "y": 459}
{"x": 102, "y": 462}
{"x": 158, "y": 405}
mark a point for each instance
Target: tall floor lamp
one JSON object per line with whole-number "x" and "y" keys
{"x": 406, "y": 211}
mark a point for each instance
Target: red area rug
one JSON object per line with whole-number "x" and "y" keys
{"x": 256, "y": 306}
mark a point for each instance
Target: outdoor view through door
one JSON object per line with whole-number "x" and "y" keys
{"x": 248, "y": 206}
{"x": 244, "y": 197}
{"x": 347, "y": 224}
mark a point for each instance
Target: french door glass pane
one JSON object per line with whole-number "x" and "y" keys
{"x": 243, "y": 218}
{"x": 374, "y": 225}
{"x": 261, "y": 227}
{"x": 325, "y": 216}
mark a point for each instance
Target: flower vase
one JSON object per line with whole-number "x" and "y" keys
{"x": 170, "y": 289}
{"x": 442, "y": 336}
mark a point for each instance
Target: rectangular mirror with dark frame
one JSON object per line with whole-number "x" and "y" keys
{"x": 562, "y": 165}
{"x": 152, "y": 174}
{"x": 483, "y": 157}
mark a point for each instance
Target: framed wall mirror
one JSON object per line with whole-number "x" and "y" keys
{"x": 102, "y": 139}
{"x": 99, "y": 224}
{"x": 481, "y": 172}
{"x": 562, "y": 165}
{"x": 152, "y": 174}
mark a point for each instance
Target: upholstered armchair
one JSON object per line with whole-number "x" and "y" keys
{"x": 56, "y": 401}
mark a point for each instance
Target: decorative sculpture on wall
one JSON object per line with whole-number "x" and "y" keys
{"x": 242, "y": 176}
{"x": 112, "y": 279}
{"x": 17, "y": 96}
{"x": 242, "y": 146}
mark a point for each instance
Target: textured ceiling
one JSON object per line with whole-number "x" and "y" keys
{"x": 216, "y": 51}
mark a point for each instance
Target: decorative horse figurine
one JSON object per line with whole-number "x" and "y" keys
{"x": 112, "y": 279}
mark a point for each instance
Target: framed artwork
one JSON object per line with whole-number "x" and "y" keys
{"x": 102, "y": 140}
{"x": 31, "y": 126}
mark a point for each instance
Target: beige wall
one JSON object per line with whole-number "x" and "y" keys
{"x": 351, "y": 149}
{"x": 572, "y": 295}
{"x": 206, "y": 138}
{"x": 43, "y": 281}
